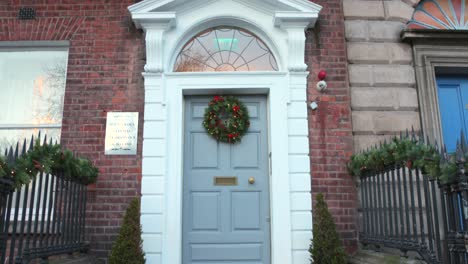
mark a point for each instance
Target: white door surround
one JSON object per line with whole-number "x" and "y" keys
{"x": 168, "y": 25}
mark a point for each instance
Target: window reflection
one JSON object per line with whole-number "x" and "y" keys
{"x": 225, "y": 49}
{"x": 33, "y": 86}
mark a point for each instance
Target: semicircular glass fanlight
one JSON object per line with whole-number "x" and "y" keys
{"x": 223, "y": 49}
{"x": 440, "y": 14}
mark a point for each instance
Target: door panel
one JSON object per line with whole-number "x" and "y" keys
{"x": 246, "y": 154}
{"x": 246, "y": 203}
{"x": 205, "y": 211}
{"x": 453, "y": 105}
{"x": 226, "y": 223}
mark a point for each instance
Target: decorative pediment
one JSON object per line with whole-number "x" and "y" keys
{"x": 283, "y": 11}
{"x": 285, "y": 21}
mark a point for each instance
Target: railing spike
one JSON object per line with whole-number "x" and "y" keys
{"x": 463, "y": 141}
{"x": 31, "y": 144}
{"x": 413, "y": 134}
{"x": 10, "y": 157}
{"x": 421, "y": 137}
{"x": 459, "y": 151}
{"x": 443, "y": 156}
{"x": 407, "y": 134}
{"x": 17, "y": 150}
{"x": 50, "y": 141}
{"x": 23, "y": 149}
{"x": 45, "y": 140}
{"x": 444, "y": 153}
{"x": 436, "y": 145}
{"x": 401, "y": 135}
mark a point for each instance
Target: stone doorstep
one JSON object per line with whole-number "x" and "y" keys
{"x": 74, "y": 259}
{"x": 373, "y": 257}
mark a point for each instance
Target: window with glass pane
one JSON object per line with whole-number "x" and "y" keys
{"x": 225, "y": 49}
{"x": 33, "y": 87}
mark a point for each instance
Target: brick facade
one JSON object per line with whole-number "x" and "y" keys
{"x": 106, "y": 58}
{"x": 330, "y": 129}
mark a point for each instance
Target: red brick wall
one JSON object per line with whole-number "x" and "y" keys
{"x": 106, "y": 58}
{"x": 330, "y": 130}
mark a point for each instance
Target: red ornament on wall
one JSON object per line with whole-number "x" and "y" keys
{"x": 322, "y": 75}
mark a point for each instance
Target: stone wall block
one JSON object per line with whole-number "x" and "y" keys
{"x": 381, "y": 99}
{"x": 393, "y": 75}
{"x": 366, "y": 52}
{"x": 408, "y": 98}
{"x": 358, "y": 9}
{"x": 412, "y": 3}
{"x": 381, "y": 75}
{"x": 384, "y": 122}
{"x": 398, "y": 11}
{"x": 360, "y": 75}
{"x": 363, "y": 142}
{"x": 385, "y": 31}
{"x": 374, "y": 99}
{"x": 357, "y": 30}
{"x": 400, "y": 53}
{"x": 379, "y": 53}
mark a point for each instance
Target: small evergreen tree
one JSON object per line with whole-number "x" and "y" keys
{"x": 127, "y": 248}
{"x": 326, "y": 246}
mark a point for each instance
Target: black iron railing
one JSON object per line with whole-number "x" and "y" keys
{"x": 401, "y": 209}
{"x": 405, "y": 209}
{"x": 43, "y": 218}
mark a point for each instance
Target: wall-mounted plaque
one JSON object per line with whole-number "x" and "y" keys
{"x": 121, "y": 133}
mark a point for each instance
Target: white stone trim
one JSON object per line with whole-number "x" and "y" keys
{"x": 281, "y": 24}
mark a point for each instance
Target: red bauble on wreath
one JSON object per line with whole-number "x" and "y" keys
{"x": 226, "y": 119}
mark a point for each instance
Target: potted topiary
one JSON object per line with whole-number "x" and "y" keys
{"x": 326, "y": 247}
{"x": 127, "y": 248}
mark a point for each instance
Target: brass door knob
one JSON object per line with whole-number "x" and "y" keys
{"x": 251, "y": 180}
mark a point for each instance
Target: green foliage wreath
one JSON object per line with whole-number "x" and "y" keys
{"x": 49, "y": 159}
{"x": 411, "y": 153}
{"x": 226, "y": 119}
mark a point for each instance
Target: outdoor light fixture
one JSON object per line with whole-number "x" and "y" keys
{"x": 322, "y": 84}
{"x": 313, "y": 105}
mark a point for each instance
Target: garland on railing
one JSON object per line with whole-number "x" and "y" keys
{"x": 411, "y": 153}
{"x": 48, "y": 159}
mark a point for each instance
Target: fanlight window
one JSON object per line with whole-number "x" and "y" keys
{"x": 440, "y": 14}
{"x": 225, "y": 49}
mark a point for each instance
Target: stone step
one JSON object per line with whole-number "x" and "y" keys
{"x": 74, "y": 259}
{"x": 373, "y": 257}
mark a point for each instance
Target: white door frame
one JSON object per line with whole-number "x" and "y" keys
{"x": 161, "y": 188}
{"x": 279, "y": 186}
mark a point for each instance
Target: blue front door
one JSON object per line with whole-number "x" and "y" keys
{"x": 453, "y": 106}
{"x": 226, "y": 190}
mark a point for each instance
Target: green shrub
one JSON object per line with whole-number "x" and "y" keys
{"x": 326, "y": 247}
{"x": 127, "y": 248}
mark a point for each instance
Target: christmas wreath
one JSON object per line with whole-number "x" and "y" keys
{"x": 226, "y": 119}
